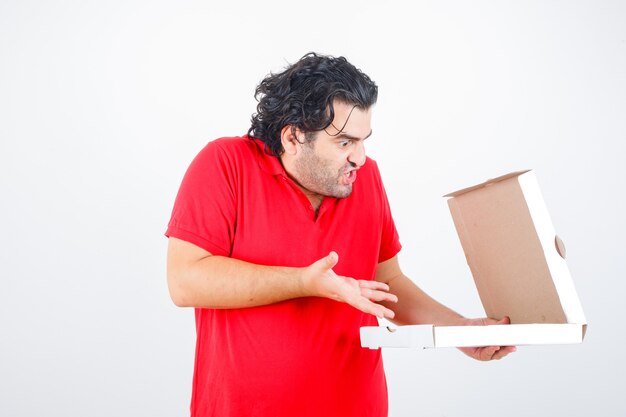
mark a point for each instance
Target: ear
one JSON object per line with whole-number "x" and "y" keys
{"x": 289, "y": 140}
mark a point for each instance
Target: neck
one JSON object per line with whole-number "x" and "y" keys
{"x": 315, "y": 199}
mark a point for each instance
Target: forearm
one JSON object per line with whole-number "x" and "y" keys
{"x": 196, "y": 278}
{"x": 221, "y": 282}
{"x": 414, "y": 306}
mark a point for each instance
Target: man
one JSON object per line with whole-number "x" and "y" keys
{"x": 284, "y": 243}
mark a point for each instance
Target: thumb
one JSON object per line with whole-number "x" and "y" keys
{"x": 331, "y": 260}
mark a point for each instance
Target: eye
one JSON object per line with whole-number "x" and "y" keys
{"x": 344, "y": 143}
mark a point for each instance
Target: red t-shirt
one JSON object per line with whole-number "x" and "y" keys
{"x": 300, "y": 357}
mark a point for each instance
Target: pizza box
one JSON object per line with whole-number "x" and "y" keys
{"x": 519, "y": 268}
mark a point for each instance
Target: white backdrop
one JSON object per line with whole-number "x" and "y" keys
{"x": 104, "y": 104}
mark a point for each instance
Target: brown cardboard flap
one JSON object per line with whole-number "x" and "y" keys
{"x": 509, "y": 244}
{"x": 486, "y": 183}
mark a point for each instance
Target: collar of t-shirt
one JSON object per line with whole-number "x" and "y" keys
{"x": 268, "y": 162}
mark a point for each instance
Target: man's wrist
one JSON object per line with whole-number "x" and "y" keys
{"x": 301, "y": 282}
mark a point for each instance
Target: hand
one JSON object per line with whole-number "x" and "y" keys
{"x": 487, "y": 353}
{"x": 320, "y": 280}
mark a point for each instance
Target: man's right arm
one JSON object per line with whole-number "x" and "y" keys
{"x": 196, "y": 278}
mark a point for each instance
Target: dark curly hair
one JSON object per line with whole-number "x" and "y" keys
{"x": 303, "y": 94}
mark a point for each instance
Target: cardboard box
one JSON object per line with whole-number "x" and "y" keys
{"x": 518, "y": 265}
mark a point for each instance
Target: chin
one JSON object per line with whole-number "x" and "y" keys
{"x": 343, "y": 192}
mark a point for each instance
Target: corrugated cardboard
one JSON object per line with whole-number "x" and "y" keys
{"x": 518, "y": 265}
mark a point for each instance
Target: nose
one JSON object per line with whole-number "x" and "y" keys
{"x": 357, "y": 156}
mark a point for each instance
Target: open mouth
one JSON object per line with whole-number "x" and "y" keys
{"x": 350, "y": 176}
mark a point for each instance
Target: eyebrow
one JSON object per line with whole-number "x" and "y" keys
{"x": 343, "y": 135}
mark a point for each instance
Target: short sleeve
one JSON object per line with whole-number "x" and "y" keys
{"x": 204, "y": 212}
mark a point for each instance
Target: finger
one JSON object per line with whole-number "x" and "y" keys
{"x": 374, "y": 285}
{"x": 331, "y": 259}
{"x": 384, "y": 312}
{"x": 487, "y": 353}
{"x": 326, "y": 263}
{"x": 375, "y": 295}
{"x": 503, "y": 320}
{"x": 369, "y": 307}
{"x": 504, "y": 350}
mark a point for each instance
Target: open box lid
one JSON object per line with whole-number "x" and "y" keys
{"x": 517, "y": 262}
{"x": 516, "y": 258}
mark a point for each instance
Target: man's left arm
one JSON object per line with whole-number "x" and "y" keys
{"x": 414, "y": 306}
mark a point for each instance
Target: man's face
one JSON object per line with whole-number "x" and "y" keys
{"x": 328, "y": 165}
